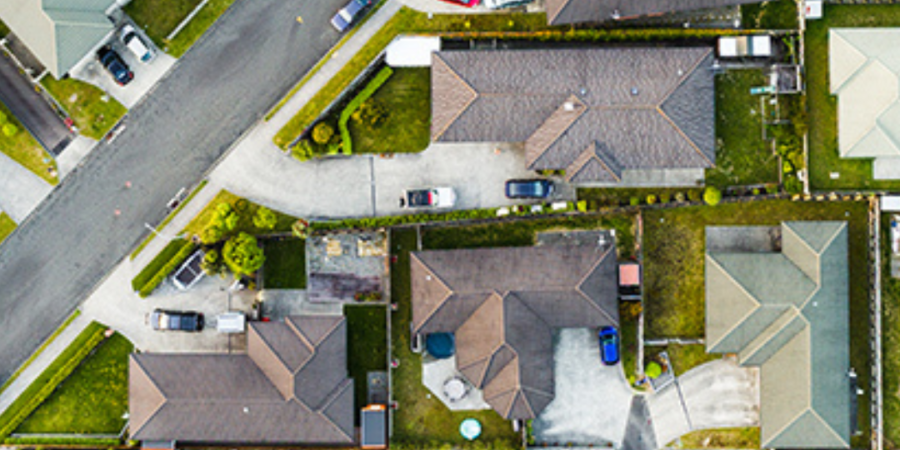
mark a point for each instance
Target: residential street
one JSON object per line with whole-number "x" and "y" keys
{"x": 222, "y": 86}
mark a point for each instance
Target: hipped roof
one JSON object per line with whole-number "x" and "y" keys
{"x": 560, "y": 12}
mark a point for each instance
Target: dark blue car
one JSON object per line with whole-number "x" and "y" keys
{"x": 115, "y": 65}
{"x": 529, "y": 188}
{"x": 609, "y": 345}
{"x": 349, "y": 14}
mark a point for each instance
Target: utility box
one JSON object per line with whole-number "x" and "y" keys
{"x": 745, "y": 46}
{"x": 374, "y": 427}
{"x": 231, "y": 323}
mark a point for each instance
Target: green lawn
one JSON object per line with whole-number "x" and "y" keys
{"x": 285, "y": 266}
{"x": 420, "y": 418}
{"x": 101, "y": 382}
{"x": 742, "y": 155}
{"x": 366, "y": 345}
{"x": 628, "y": 334}
{"x": 823, "y": 154}
{"x": 93, "y": 111}
{"x": 674, "y": 242}
{"x": 406, "y": 97}
{"x": 770, "y": 15}
{"x": 890, "y": 335}
{"x": 722, "y": 438}
{"x": 25, "y": 150}
{"x": 7, "y": 226}
{"x": 158, "y": 18}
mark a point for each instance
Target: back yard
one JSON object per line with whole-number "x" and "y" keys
{"x": 285, "y": 266}
{"x": 823, "y": 153}
{"x": 890, "y": 327}
{"x": 367, "y": 345}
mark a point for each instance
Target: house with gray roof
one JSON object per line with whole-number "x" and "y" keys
{"x": 291, "y": 387}
{"x": 503, "y": 306}
{"x": 782, "y": 304}
{"x": 561, "y": 12}
{"x": 60, "y": 33}
{"x": 864, "y": 71}
{"x": 606, "y": 116}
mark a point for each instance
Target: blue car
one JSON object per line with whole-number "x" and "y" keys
{"x": 529, "y": 188}
{"x": 609, "y": 346}
{"x": 349, "y": 14}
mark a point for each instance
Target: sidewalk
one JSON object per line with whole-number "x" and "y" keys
{"x": 22, "y": 190}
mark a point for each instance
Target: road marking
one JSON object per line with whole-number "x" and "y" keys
{"x": 299, "y": 19}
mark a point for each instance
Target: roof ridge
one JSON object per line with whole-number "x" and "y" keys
{"x": 785, "y": 427}
{"x": 332, "y": 397}
{"x": 463, "y": 82}
{"x": 742, "y": 288}
{"x": 659, "y": 107}
{"x": 433, "y": 274}
{"x": 828, "y": 426}
{"x": 153, "y": 383}
{"x": 593, "y": 154}
{"x": 254, "y": 326}
{"x": 839, "y": 33}
{"x": 566, "y": 117}
{"x": 589, "y": 273}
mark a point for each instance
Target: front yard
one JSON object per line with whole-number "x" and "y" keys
{"x": 159, "y": 18}
{"x": 823, "y": 152}
{"x": 406, "y": 103}
{"x": 674, "y": 243}
{"x": 22, "y": 148}
{"x": 93, "y": 111}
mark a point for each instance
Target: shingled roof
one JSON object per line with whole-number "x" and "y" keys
{"x": 290, "y": 387}
{"x": 787, "y": 312}
{"x": 503, "y": 305}
{"x": 561, "y": 12}
{"x": 591, "y": 112}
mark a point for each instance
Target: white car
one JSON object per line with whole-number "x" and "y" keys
{"x": 442, "y": 197}
{"x": 499, "y": 4}
{"x": 133, "y": 41}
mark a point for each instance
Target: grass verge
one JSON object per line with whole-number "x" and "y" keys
{"x": 721, "y": 438}
{"x": 823, "y": 152}
{"x": 156, "y": 271}
{"x": 101, "y": 381}
{"x": 605, "y": 197}
{"x": 890, "y": 334}
{"x": 158, "y": 18}
{"x": 7, "y": 226}
{"x": 93, "y": 111}
{"x": 366, "y": 346}
{"x": 204, "y": 19}
{"x": 40, "y": 349}
{"x": 422, "y": 419}
{"x": 25, "y": 150}
{"x": 742, "y": 155}
{"x": 168, "y": 219}
{"x": 285, "y": 265}
{"x": 770, "y": 15}
{"x": 49, "y": 380}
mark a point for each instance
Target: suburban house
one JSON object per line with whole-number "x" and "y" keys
{"x": 291, "y": 387}
{"x": 504, "y": 304}
{"x": 777, "y": 297}
{"x": 605, "y": 116}
{"x": 60, "y": 33}
{"x": 561, "y": 12}
{"x": 864, "y": 76}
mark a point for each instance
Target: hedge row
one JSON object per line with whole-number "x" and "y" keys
{"x": 610, "y": 35}
{"x": 85, "y": 442}
{"x": 168, "y": 259}
{"x": 354, "y": 104}
{"x": 47, "y": 382}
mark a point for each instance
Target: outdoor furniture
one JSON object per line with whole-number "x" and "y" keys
{"x": 455, "y": 389}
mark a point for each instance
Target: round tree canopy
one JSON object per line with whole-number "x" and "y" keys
{"x": 440, "y": 345}
{"x": 653, "y": 370}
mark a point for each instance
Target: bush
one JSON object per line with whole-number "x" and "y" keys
{"x": 300, "y": 229}
{"x": 756, "y": 191}
{"x": 665, "y": 198}
{"x": 9, "y": 130}
{"x": 581, "y": 206}
{"x": 634, "y": 201}
{"x": 653, "y": 370}
{"x": 712, "y": 196}
{"x": 156, "y": 272}
{"x": 792, "y": 185}
{"x": 322, "y": 133}
{"x": 265, "y": 219}
{"x": 2, "y": 117}
{"x": 211, "y": 235}
{"x": 243, "y": 255}
{"x": 303, "y": 151}
{"x": 212, "y": 263}
{"x": 651, "y": 199}
{"x": 54, "y": 441}
{"x": 694, "y": 195}
{"x": 241, "y": 205}
{"x": 357, "y": 101}
{"x": 679, "y": 197}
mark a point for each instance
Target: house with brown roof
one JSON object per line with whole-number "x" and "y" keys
{"x": 606, "y": 116}
{"x": 503, "y": 306}
{"x": 291, "y": 387}
{"x": 561, "y": 12}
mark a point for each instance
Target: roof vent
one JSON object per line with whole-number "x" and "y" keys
{"x": 246, "y": 410}
{"x": 583, "y": 91}
{"x": 616, "y": 15}
{"x": 680, "y": 72}
{"x": 428, "y": 277}
{"x": 634, "y": 91}
{"x": 568, "y": 106}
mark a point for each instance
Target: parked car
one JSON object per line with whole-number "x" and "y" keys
{"x": 443, "y": 197}
{"x": 609, "y": 346}
{"x": 176, "y": 320}
{"x": 466, "y": 3}
{"x": 350, "y": 13}
{"x": 529, "y": 188}
{"x": 115, "y": 65}
{"x": 134, "y": 43}
{"x": 498, "y": 4}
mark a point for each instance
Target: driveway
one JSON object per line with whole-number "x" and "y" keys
{"x": 20, "y": 189}
{"x": 718, "y": 394}
{"x": 241, "y": 67}
{"x": 592, "y": 400}
{"x": 36, "y": 115}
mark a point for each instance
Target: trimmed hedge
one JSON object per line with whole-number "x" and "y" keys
{"x": 47, "y": 382}
{"x": 389, "y": 221}
{"x": 357, "y": 101}
{"x": 168, "y": 259}
{"x": 86, "y": 442}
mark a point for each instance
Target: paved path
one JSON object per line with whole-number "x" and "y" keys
{"x": 240, "y": 68}
{"x": 21, "y": 189}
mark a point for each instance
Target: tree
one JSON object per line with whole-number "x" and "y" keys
{"x": 712, "y": 196}
{"x": 10, "y": 130}
{"x": 653, "y": 370}
{"x": 212, "y": 263}
{"x": 231, "y": 220}
{"x": 211, "y": 234}
{"x": 243, "y": 255}
{"x": 265, "y": 218}
{"x": 322, "y": 133}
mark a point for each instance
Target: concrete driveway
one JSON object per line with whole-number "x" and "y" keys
{"x": 592, "y": 400}
{"x": 718, "y": 394}
{"x": 146, "y": 75}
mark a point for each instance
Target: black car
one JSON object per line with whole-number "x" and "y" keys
{"x": 176, "y": 320}
{"x": 529, "y": 188}
{"x": 115, "y": 65}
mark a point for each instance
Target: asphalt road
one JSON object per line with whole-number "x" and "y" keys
{"x": 31, "y": 109}
{"x": 233, "y": 75}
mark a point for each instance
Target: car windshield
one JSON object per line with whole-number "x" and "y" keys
{"x": 526, "y": 188}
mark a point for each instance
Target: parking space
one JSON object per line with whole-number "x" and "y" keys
{"x": 146, "y": 75}
{"x": 592, "y": 400}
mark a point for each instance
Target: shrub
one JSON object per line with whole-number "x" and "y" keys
{"x": 787, "y": 167}
{"x": 634, "y": 201}
{"x": 679, "y": 197}
{"x": 694, "y": 195}
{"x": 651, "y": 199}
{"x": 653, "y": 370}
{"x": 2, "y": 117}
{"x": 223, "y": 209}
{"x": 212, "y": 262}
{"x": 153, "y": 275}
{"x": 756, "y": 191}
{"x": 581, "y": 206}
{"x": 712, "y": 196}
{"x": 9, "y": 130}
{"x": 243, "y": 255}
{"x": 265, "y": 218}
{"x": 665, "y": 198}
{"x": 322, "y": 133}
{"x": 231, "y": 220}
{"x": 300, "y": 229}
{"x": 241, "y": 205}
{"x": 212, "y": 234}
{"x": 793, "y": 185}
{"x": 630, "y": 310}
{"x": 303, "y": 151}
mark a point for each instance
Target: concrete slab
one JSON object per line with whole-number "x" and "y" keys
{"x": 592, "y": 400}
{"x": 20, "y": 189}
{"x": 436, "y": 372}
{"x": 280, "y": 303}
{"x": 886, "y": 168}
{"x": 74, "y": 153}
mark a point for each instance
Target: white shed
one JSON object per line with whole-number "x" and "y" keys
{"x": 231, "y": 322}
